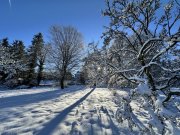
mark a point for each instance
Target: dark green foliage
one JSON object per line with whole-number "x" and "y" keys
{"x": 5, "y": 42}
{"x": 19, "y": 55}
{"x": 34, "y": 54}
{"x": 24, "y": 64}
{"x": 13, "y": 65}
{"x": 18, "y": 49}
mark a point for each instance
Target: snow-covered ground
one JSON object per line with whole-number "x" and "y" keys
{"x": 48, "y": 111}
{"x": 51, "y": 111}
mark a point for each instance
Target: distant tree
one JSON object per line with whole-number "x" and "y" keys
{"x": 94, "y": 65}
{"x": 35, "y": 54}
{"x": 19, "y": 54}
{"x": 82, "y": 77}
{"x": 41, "y": 57}
{"x": 67, "y": 45}
{"x": 5, "y": 42}
{"x": 19, "y": 49}
{"x": 10, "y": 65}
{"x": 4, "y": 58}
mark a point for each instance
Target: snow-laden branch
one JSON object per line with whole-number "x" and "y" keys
{"x": 146, "y": 44}
{"x": 125, "y": 50}
{"x": 163, "y": 68}
{"x": 121, "y": 71}
{"x": 175, "y": 77}
{"x": 172, "y": 42}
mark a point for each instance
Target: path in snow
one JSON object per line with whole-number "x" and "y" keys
{"x": 48, "y": 129}
{"x": 49, "y": 111}
{"x": 93, "y": 114}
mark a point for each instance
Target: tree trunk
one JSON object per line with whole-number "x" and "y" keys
{"x": 62, "y": 82}
{"x": 39, "y": 77}
{"x": 30, "y": 76}
{"x": 148, "y": 74}
{"x": 150, "y": 79}
{"x": 63, "y": 74}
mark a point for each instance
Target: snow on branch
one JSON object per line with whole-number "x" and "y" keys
{"x": 163, "y": 68}
{"x": 175, "y": 77}
{"x": 146, "y": 44}
{"x": 172, "y": 42}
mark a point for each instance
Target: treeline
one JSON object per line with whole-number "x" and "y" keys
{"x": 25, "y": 66}
{"x": 18, "y": 63}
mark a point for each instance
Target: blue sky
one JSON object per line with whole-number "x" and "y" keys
{"x": 25, "y": 18}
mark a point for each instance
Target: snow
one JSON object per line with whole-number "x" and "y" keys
{"x": 74, "y": 110}
{"x": 143, "y": 89}
{"x": 136, "y": 113}
{"x": 55, "y": 111}
{"x": 9, "y": 93}
{"x": 175, "y": 89}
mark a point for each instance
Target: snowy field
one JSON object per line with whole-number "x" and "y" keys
{"x": 46, "y": 111}
{"x": 51, "y": 111}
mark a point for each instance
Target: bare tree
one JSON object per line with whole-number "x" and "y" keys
{"x": 131, "y": 22}
{"x": 147, "y": 39}
{"x": 67, "y": 45}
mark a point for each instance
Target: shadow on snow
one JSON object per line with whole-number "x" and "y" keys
{"x": 50, "y": 127}
{"x": 21, "y": 100}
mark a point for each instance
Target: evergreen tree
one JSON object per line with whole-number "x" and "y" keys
{"x": 11, "y": 62}
{"x": 34, "y": 53}
{"x": 19, "y": 53}
{"x": 19, "y": 49}
{"x": 5, "y": 42}
{"x": 41, "y": 57}
{"x": 5, "y": 58}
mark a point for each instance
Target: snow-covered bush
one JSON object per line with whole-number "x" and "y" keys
{"x": 158, "y": 119}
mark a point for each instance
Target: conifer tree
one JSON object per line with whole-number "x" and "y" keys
{"x": 5, "y": 42}
{"x": 19, "y": 55}
{"x": 34, "y": 53}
